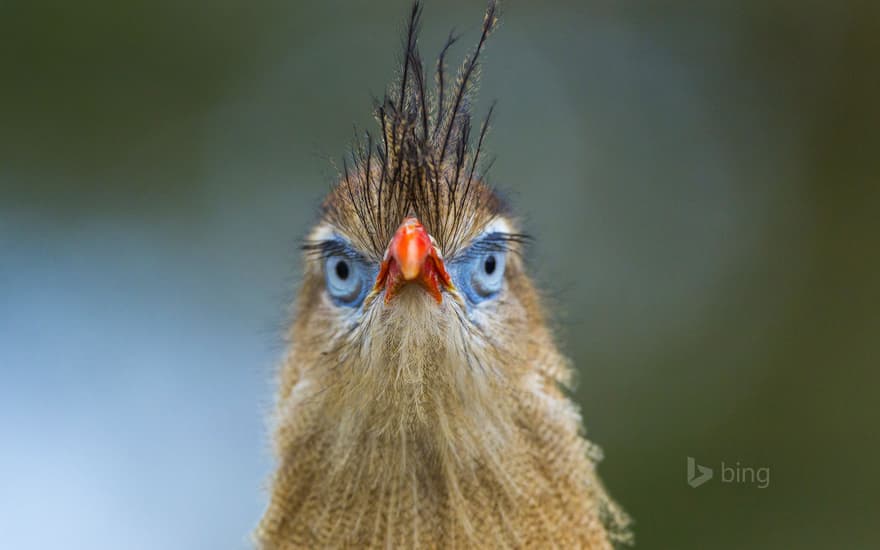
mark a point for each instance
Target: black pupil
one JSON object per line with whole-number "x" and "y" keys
{"x": 490, "y": 265}
{"x": 342, "y": 270}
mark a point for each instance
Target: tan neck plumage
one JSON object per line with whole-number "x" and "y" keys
{"x": 421, "y": 437}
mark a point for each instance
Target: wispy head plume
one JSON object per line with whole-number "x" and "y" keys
{"x": 426, "y": 161}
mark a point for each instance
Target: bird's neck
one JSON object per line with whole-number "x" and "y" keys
{"x": 417, "y": 404}
{"x": 423, "y": 438}
{"x": 422, "y": 383}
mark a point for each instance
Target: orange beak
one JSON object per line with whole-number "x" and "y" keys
{"x": 412, "y": 257}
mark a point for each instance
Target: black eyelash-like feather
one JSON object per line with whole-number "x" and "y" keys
{"x": 492, "y": 242}
{"x": 425, "y": 165}
{"x": 331, "y": 247}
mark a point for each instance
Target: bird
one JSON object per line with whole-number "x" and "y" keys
{"x": 421, "y": 400}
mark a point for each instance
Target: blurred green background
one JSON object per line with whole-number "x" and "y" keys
{"x": 702, "y": 182}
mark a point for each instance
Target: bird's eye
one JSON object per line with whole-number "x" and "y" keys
{"x": 487, "y": 275}
{"x": 345, "y": 280}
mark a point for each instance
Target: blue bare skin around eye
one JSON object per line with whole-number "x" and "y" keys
{"x": 360, "y": 268}
{"x": 460, "y": 268}
{"x": 461, "y": 271}
{"x": 463, "y": 265}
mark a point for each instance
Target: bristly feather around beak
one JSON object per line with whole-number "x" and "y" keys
{"x": 412, "y": 256}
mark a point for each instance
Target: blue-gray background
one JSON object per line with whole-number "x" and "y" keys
{"x": 701, "y": 181}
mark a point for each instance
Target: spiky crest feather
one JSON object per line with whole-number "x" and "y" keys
{"x": 426, "y": 163}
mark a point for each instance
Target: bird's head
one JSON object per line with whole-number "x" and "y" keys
{"x": 462, "y": 284}
{"x": 415, "y": 289}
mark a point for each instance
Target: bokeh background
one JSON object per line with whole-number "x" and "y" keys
{"x": 702, "y": 182}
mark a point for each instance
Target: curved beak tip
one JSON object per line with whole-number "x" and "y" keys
{"x": 411, "y": 256}
{"x": 410, "y": 247}
{"x": 410, "y": 270}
